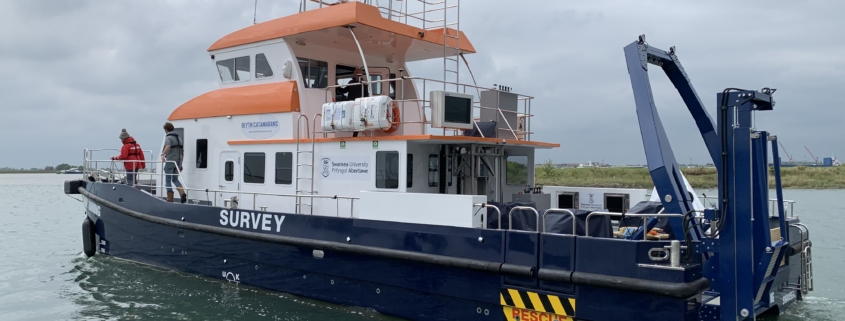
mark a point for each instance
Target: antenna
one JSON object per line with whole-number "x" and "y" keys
{"x": 255, "y": 12}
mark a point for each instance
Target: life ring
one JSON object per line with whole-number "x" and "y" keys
{"x": 395, "y": 122}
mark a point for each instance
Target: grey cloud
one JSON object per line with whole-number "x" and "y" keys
{"x": 75, "y": 72}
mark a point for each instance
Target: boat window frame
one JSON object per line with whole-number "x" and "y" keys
{"x": 246, "y": 157}
{"x": 384, "y": 172}
{"x": 217, "y": 64}
{"x": 302, "y": 72}
{"x": 199, "y": 155}
{"x": 229, "y": 171}
{"x": 269, "y": 66}
{"x": 508, "y": 177}
{"x": 433, "y": 170}
{"x": 410, "y": 171}
{"x": 278, "y": 168}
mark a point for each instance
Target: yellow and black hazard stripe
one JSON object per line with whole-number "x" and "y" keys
{"x": 547, "y": 303}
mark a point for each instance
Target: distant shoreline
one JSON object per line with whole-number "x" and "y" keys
{"x": 28, "y": 172}
{"x": 800, "y": 177}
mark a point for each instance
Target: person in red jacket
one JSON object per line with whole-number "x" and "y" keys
{"x": 132, "y": 155}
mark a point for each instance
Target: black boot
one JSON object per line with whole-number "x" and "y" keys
{"x": 183, "y": 195}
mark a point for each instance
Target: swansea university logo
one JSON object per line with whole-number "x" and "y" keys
{"x": 327, "y": 164}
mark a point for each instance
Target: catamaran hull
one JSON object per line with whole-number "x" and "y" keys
{"x": 456, "y": 285}
{"x": 395, "y": 287}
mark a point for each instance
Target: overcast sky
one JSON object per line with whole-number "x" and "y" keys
{"x": 73, "y": 73}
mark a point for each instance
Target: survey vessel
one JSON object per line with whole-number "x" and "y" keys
{"x": 323, "y": 168}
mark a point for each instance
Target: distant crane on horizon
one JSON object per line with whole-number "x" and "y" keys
{"x": 785, "y": 152}
{"x": 815, "y": 159}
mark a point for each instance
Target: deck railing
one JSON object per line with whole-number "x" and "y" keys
{"x": 153, "y": 179}
{"x": 788, "y": 205}
{"x": 423, "y": 105}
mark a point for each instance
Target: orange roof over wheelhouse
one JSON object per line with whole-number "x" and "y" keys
{"x": 276, "y": 97}
{"x": 340, "y": 15}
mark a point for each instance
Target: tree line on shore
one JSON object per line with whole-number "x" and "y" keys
{"x": 799, "y": 177}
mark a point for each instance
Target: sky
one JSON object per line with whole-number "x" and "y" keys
{"x": 75, "y": 72}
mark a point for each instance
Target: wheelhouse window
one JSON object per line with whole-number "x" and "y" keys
{"x": 284, "y": 168}
{"x": 410, "y": 171}
{"x": 376, "y": 86}
{"x": 315, "y": 73}
{"x": 254, "y": 168}
{"x": 433, "y": 164}
{"x": 233, "y": 69}
{"x": 262, "y": 67}
{"x": 202, "y": 153}
{"x": 387, "y": 170}
{"x": 345, "y": 74}
{"x": 517, "y": 170}
{"x": 229, "y": 171}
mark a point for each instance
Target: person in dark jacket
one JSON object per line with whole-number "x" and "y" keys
{"x": 354, "y": 89}
{"x": 132, "y": 157}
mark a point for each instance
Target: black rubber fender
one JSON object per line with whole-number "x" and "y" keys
{"x": 89, "y": 237}
{"x": 669, "y": 289}
{"x": 72, "y": 187}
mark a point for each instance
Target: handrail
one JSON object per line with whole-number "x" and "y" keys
{"x": 524, "y": 133}
{"x": 789, "y": 205}
{"x": 116, "y": 173}
{"x": 365, "y": 82}
{"x": 507, "y": 123}
{"x": 560, "y": 210}
{"x": 510, "y": 216}
{"x": 493, "y": 207}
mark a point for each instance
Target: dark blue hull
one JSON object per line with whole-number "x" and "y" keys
{"x": 414, "y": 291}
{"x": 408, "y": 289}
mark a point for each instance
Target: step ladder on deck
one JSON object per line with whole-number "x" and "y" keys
{"x": 805, "y": 281}
{"x": 304, "y": 170}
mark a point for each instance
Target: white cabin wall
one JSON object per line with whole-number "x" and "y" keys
{"x": 219, "y": 131}
{"x": 285, "y": 204}
{"x": 331, "y": 185}
{"x": 277, "y": 52}
{"x": 345, "y": 186}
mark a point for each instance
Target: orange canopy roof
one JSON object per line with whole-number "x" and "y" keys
{"x": 340, "y": 15}
{"x": 277, "y": 97}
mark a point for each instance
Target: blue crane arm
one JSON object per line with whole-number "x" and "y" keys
{"x": 663, "y": 167}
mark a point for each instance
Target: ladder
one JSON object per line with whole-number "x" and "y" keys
{"x": 451, "y": 55}
{"x": 299, "y": 188}
{"x": 451, "y": 38}
{"x": 806, "y": 278}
